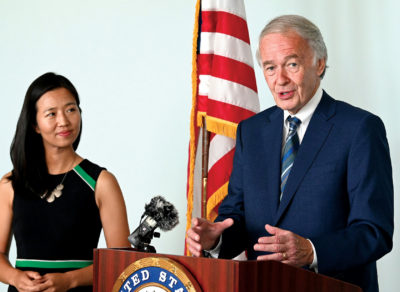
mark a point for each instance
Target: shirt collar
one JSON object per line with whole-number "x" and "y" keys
{"x": 306, "y": 112}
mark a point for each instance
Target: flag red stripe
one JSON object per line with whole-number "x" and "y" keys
{"x": 202, "y": 101}
{"x": 220, "y": 172}
{"x": 226, "y": 111}
{"x": 222, "y": 110}
{"x": 234, "y": 78}
{"x": 226, "y": 23}
{"x": 204, "y": 64}
{"x": 228, "y": 69}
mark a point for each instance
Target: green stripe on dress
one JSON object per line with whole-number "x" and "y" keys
{"x": 73, "y": 264}
{"x": 85, "y": 176}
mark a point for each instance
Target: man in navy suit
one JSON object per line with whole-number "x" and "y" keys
{"x": 311, "y": 184}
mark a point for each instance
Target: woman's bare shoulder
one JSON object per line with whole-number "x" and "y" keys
{"x": 6, "y": 179}
{"x": 6, "y": 189}
{"x": 107, "y": 180}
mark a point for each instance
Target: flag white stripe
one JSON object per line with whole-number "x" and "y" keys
{"x": 232, "y": 6}
{"x": 226, "y": 46}
{"x": 219, "y": 146}
{"x": 229, "y": 92}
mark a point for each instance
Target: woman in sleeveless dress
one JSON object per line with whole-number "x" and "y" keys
{"x": 54, "y": 202}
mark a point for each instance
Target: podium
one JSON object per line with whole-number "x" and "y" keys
{"x": 220, "y": 275}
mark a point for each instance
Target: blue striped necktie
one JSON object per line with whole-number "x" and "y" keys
{"x": 289, "y": 151}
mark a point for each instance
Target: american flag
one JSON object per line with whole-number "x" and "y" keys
{"x": 224, "y": 93}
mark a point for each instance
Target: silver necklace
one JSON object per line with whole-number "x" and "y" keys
{"x": 57, "y": 192}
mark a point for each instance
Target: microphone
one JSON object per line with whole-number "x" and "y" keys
{"x": 159, "y": 213}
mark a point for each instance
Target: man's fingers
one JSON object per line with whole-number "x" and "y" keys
{"x": 270, "y": 257}
{"x": 292, "y": 249}
{"x": 228, "y": 222}
{"x": 193, "y": 243}
{"x": 194, "y": 247}
{"x": 267, "y": 240}
{"x": 204, "y": 234}
{"x": 196, "y": 221}
{"x": 225, "y": 224}
{"x": 193, "y": 235}
{"x": 274, "y": 239}
{"x": 194, "y": 252}
{"x": 277, "y": 256}
{"x": 273, "y": 247}
{"x": 273, "y": 229}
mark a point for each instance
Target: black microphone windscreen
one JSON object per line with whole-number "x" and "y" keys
{"x": 163, "y": 212}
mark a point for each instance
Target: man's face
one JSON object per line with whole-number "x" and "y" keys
{"x": 290, "y": 69}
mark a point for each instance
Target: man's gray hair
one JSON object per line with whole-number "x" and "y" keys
{"x": 304, "y": 28}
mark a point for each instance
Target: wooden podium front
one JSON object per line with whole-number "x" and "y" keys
{"x": 220, "y": 275}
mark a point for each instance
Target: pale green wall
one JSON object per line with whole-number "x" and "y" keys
{"x": 131, "y": 63}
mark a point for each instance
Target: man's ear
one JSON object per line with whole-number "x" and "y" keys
{"x": 321, "y": 66}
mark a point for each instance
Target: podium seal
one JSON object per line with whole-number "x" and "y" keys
{"x": 154, "y": 274}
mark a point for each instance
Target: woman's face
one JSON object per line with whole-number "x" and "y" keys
{"x": 58, "y": 118}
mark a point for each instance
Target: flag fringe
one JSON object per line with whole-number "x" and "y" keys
{"x": 215, "y": 199}
{"x": 221, "y": 127}
{"x": 217, "y": 126}
{"x": 192, "y": 142}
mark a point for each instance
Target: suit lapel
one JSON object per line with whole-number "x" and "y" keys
{"x": 314, "y": 138}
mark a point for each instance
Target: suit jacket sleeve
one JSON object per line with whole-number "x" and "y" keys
{"x": 369, "y": 231}
{"x": 234, "y": 238}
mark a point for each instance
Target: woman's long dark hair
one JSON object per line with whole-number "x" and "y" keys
{"x": 30, "y": 173}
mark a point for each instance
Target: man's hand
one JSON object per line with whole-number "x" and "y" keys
{"x": 204, "y": 235}
{"x": 285, "y": 247}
